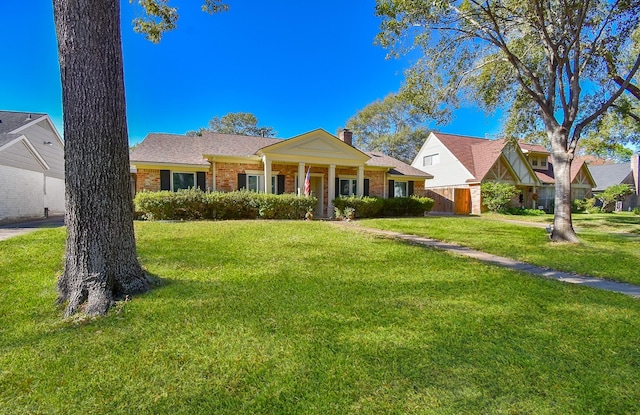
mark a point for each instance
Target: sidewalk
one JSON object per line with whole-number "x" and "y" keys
{"x": 9, "y": 230}
{"x": 620, "y": 287}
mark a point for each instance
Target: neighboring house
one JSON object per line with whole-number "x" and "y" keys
{"x": 31, "y": 166}
{"x": 607, "y": 175}
{"x": 460, "y": 164}
{"x": 222, "y": 162}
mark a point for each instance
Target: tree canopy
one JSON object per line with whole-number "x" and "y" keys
{"x": 544, "y": 61}
{"x": 390, "y": 126}
{"x": 237, "y": 123}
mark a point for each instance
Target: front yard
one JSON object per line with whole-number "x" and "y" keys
{"x": 608, "y": 249}
{"x": 302, "y": 317}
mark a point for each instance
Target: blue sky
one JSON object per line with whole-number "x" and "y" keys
{"x": 296, "y": 65}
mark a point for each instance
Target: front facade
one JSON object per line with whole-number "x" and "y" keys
{"x": 221, "y": 162}
{"x": 31, "y": 166}
{"x": 460, "y": 165}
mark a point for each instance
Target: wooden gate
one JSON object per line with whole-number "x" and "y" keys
{"x": 462, "y": 201}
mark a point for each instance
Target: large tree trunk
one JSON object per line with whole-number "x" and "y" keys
{"x": 562, "y": 224}
{"x": 101, "y": 261}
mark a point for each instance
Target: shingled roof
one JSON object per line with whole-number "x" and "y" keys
{"x": 607, "y": 175}
{"x": 382, "y": 160}
{"x": 181, "y": 149}
{"x": 11, "y": 120}
{"x": 477, "y": 155}
{"x": 190, "y": 150}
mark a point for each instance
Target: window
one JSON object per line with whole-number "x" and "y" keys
{"x": 543, "y": 162}
{"x": 183, "y": 181}
{"x": 348, "y": 187}
{"x": 400, "y": 189}
{"x": 534, "y": 161}
{"x": 254, "y": 183}
{"x": 431, "y": 160}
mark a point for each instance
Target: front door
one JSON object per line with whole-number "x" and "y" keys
{"x": 317, "y": 191}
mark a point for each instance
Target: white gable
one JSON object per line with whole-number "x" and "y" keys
{"x": 446, "y": 169}
{"x": 315, "y": 147}
{"x": 520, "y": 165}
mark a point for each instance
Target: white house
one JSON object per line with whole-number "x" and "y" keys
{"x": 460, "y": 164}
{"x": 31, "y": 166}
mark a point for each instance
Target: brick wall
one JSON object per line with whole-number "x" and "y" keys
{"x": 23, "y": 195}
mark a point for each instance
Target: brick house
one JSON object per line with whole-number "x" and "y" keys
{"x": 223, "y": 162}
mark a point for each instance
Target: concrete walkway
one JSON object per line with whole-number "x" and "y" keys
{"x": 10, "y": 230}
{"x": 620, "y": 287}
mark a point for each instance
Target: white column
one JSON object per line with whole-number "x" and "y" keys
{"x": 331, "y": 189}
{"x": 360, "y": 180}
{"x": 301, "y": 174}
{"x": 267, "y": 174}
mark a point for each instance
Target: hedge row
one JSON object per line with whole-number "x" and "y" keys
{"x": 195, "y": 204}
{"x": 371, "y": 207}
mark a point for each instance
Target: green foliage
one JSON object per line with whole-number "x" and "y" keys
{"x": 236, "y": 123}
{"x": 371, "y": 207}
{"x": 636, "y": 211}
{"x": 613, "y": 194}
{"x": 519, "y": 211}
{"x": 365, "y": 206}
{"x": 158, "y": 17}
{"x": 496, "y": 196}
{"x": 195, "y": 204}
{"x": 390, "y": 126}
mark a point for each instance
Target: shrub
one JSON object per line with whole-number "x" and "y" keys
{"x": 196, "y": 204}
{"x": 496, "y": 196}
{"x": 636, "y": 211}
{"x": 364, "y": 207}
{"x": 407, "y": 206}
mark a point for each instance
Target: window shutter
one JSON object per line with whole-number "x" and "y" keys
{"x": 337, "y": 187}
{"x": 201, "y": 181}
{"x": 242, "y": 181}
{"x": 165, "y": 180}
{"x": 365, "y": 190}
{"x": 281, "y": 184}
{"x": 391, "y": 188}
{"x": 410, "y": 188}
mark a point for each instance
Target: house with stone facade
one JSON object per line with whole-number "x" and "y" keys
{"x": 31, "y": 166}
{"x": 460, "y": 164}
{"x": 223, "y": 162}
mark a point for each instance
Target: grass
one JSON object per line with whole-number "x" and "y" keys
{"x": 301, "y": 317}
{"x": 608, "y": 249}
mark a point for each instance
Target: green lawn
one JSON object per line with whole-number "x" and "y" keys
{"x": 608, "y": 248}
{"x": 306, "y": 318}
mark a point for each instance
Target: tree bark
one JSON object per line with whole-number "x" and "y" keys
{"x": 101, "y": 262}
{"x": 562, "y": 223}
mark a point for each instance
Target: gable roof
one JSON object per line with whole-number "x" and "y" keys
{"x": 548, "y": 176}
{"x": 10, "y": 121}
{"x": 191, "y": 150}
{"x": 606, "y": 175}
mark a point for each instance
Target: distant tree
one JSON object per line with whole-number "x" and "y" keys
{"x": 390, "y": 126}
{"x": 236, "y": 123}
{"x": 496, "y": 196}
{"x": 614, "y": 194}
{"x": 542, "y": 59}
{"x": 100, "y": 258}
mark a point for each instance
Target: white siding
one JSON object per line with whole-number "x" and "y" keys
{"x": 53, "y": 153}
{"x": 21, "y": 193}
{"x": 20, "y": 156}
{"x": 447, "y": 172}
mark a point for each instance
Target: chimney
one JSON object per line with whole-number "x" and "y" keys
{"x": 346, "y": 136}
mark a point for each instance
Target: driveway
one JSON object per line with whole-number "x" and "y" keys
{"x": 9, "y": 230}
